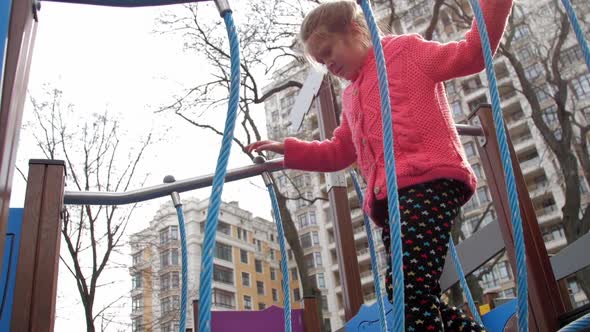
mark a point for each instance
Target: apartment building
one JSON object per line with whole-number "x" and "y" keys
{"x": 246, "y": 272}
{"x": 538, "y": 165}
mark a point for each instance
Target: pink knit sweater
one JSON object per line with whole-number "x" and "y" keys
{"x": 427, "y": 146}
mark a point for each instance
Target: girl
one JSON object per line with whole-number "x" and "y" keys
{"x": 433, "y": 175}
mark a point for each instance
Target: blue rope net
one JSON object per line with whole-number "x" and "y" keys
{"x": 184, "y": 289}
{"x": 521, "y": 272}
{"x": 374, "y": 263}
{"x": 218, "y": 180}
{"x": 284, "y": 261}
{"x": 393, "y": 199}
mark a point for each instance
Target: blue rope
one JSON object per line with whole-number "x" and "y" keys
{"x": 374, "y": 263}
{"x": 184, "y": 289}
{"x": 218, "y": 180}
{"x": 571, "y": 13}
{"x": 463, "y": 282}
{"x": 521, "y": 272}
{"x": 284, "y": 262}
{"x": 580, "y": 324}
{"x": 393, "y": 201}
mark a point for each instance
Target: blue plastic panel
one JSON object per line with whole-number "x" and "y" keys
{"x": 9, "y": 263}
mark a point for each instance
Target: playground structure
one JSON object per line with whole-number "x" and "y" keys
{"x": 36, "y": 276}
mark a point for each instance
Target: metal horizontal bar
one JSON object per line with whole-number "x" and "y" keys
{"x": 467, "y": 130}
{"x": 144, "y": 194}
{"x": 127, "y": 3}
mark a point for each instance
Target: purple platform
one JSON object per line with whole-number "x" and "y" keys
{"x": 270, "y": 319}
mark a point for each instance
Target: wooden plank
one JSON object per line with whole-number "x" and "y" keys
{"x": 16, "y": 72}
{"x": 46, "y": 274}
{"x": 311, "y": 320}
{"x": 27, "y": 255}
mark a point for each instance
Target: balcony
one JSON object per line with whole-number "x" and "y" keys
{"x": 537, "y": 189}
{"x": 547, "y": 214}
{"x": 530, "y": 165}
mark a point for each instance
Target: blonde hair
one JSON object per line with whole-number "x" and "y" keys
{"x": 335, "y": 17}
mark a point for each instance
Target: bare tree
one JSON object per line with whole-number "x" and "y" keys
{"x": 96, "y": 158}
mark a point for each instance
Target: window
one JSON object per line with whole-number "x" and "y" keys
{"x": 581, "y": 85}
{"x": 472, "y": 84}
{"x": 169, "y": 304}
{"x": 456, "y": 109}
{"x": 533, "y": 71}
{"x": 223, "y": 299}
{"x": 258, "y": 245}
{"x": 312, "y": 218}
{"x": 543, "y": 93}
{"x": 318, "y": 258}
{"x": 247, "y": 302}
{"x": 261, "y": 306}
{"x": 224, "y": 228}
{"x": 290, "y": 252}
{"x": 137, "y": 258}
{"x": 507, "y": 293}
{"x": 272, "y": 238}
{"x": 521, "y": 32}
{"x": 136, "y": 281}
{"x": 273, "y": 273}
{"x": 296, "y": 295}
{"x": 477, "y": 170}
{"x": 169, "y": 257}
{"x": 275, "y": 295}
{"x": 324, "y": 302}
{"x": 223, "y": 251}
{"x": 258, "y": 265}
{"x": 275, "y": 116}
{"x": 223, "y": 274}
{"x": 469, "y": 149}
{"x": 475, "y": 103}
{"x": 136, "y": 303}
{"x": 483, "y": 195}
{"x": 321, "y": 281}
{"x": 571, "y": 56}
{"x": 272, "y": 254}
{"x": 246, "y": 279}
{"x": 305, "y": 240}
{"x": 164, "y": 258}
{"x": 294, "y": 274}
{"x": 168, "y": 234}
{"x": 137, "y": 324}
{"x": 260, "y": 287}
{"x": 550, "y": 115}
{"x": 243, "y": 256}
{"x": 450, "y": 88}
{"x": 242, "y": 234}
{"x": 170, "y": 280}
{"x": 525, "y": 53}
{"x": 170, "y": 326}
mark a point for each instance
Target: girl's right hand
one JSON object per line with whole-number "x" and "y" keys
{"x": 273, "y": 146}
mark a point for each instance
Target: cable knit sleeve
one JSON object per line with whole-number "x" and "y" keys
{"x": 326, "y": 156}
{"x": 442, "y": 62}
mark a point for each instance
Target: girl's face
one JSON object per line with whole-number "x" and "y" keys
{"x": 342, "y": 54}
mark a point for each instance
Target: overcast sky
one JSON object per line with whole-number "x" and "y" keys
{"x": 109, "y": 58}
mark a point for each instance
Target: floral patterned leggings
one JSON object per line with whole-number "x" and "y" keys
{"x": 427, "y": 211}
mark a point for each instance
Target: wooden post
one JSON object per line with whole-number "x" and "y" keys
{"x": 196, "y": 315}
{"x": 348, "y": 266}
{"x": 545, "y": 303}
{"x": 21, "y": 34}
{"x": 311, "y": 322}
{"x": 38, "y": 257}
